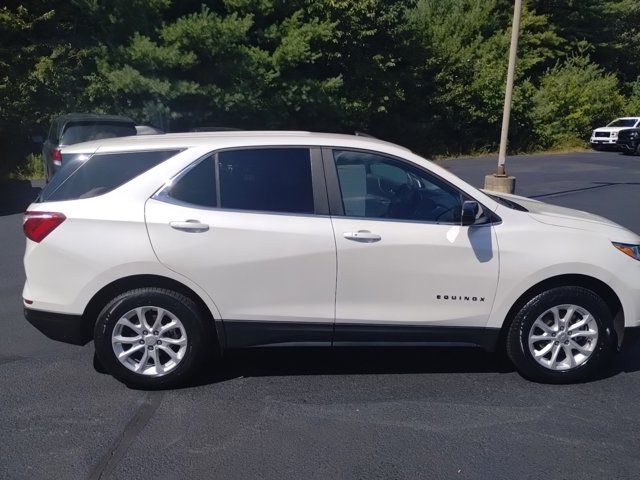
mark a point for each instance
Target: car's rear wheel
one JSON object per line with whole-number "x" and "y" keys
{"x": 150, "y": 338}
{"x": 562, "y": 335}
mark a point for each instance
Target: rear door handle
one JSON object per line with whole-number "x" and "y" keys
{"x": 364, "y": 236}
{"x": 193, "y": 226}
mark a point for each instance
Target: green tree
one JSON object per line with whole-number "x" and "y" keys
{"x": 468, "y": 43}
{"x": 425, "y": 73}
{"x": 255, "y": 64}
{"x": 607, "y": 30}
{"x": 572, "y": 99}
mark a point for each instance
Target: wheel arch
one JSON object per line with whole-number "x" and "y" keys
{"x": 124, "y": 284}
{"x": 597, "y": 286}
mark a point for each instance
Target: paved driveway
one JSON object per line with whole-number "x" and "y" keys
{"x": 361, "y": 414}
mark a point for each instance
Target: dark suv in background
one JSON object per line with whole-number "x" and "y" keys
{"x": 80, "y": 127}
{"x": 629, "y": 141}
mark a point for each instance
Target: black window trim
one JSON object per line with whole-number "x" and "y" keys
{"x": 320, "y": 195}
{"x": 334, "y": 193}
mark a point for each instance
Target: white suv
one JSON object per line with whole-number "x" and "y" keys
{"x": 606, "y": 137}
{"x": 163, "y": 248}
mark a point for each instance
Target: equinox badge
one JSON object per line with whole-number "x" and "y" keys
{"x": 460, "y": 298}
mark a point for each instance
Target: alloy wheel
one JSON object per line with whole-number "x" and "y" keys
{"x": 563, "y": 337}
{"x": 149, "y": 340}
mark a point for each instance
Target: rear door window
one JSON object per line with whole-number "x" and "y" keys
{"x": 100, "y": 174}
{"x": 266, "y": 179}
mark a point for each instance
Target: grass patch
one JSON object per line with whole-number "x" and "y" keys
{"x": 564, "y": 148}
{"x": 31, "y": 169}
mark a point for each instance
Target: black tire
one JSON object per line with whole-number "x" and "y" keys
{"x": 97, "y": 365}
{"x": 185, "y": 309}
{"x": 518, "y": 334}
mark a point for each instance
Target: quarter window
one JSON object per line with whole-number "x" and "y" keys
{"x": 103, "y": 172}
{"x": 198, "y": 185}
{"x": 376, "y": 186}
{"x": 266, "y": 179}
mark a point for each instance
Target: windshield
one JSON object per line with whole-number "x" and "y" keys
{"x": 623, "y": 122}
{"x": 78, "y": 132}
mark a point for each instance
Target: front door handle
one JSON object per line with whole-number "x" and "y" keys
{"x": 193, "y": 226}
{"x": 364, "y": 236}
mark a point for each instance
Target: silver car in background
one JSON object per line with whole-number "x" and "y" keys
{"x": 75, "y": 128}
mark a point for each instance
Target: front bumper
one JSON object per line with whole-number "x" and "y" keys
{"x": 603, "y": 141}
{"x": 65, "y": 328}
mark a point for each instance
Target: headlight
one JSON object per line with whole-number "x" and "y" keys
{"x": 634, "y": 134}
{"x": 614, "y": 134}
{"x": 632, "y": 250}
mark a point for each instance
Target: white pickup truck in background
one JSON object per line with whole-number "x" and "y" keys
{"x": 605, "y": 138}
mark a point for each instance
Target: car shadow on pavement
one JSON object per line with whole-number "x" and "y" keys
{"x": 263, "y": 362}
{"x": 16, "y": 195}
{"x": 291, "y": 361}
{"x": 628, "y": 360}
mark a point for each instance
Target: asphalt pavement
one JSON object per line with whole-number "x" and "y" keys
{"x": 344, "y": 414}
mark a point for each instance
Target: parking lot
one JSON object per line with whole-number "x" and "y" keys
{"x": 353, "y": 414}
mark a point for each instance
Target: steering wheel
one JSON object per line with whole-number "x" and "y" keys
{"x": 440, "y": 215}
{"x": 409, "y": 203}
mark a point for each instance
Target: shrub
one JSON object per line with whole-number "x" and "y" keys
{"x": 572, "y": 99}
{"x": 633, "y": 103}
{"x": 31, "y": 169}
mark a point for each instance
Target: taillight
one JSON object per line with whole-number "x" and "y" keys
{"x": 37, "y": 225}
{"x": 56, "y": 155}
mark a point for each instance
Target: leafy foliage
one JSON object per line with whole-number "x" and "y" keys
{"x": 426, "y": 73}
{"x": 571, "y": 99}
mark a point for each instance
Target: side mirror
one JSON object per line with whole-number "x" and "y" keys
{"x": 470, "y": 210}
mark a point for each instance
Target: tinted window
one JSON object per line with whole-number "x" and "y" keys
{"x": 52, "y": 132}
{"x": 198, "y": 185}
{"x": 85, "y": 131}
{"x": 269, "y": 179}
{"x": 100, "y": 174}
{"x": 375, "y": 186}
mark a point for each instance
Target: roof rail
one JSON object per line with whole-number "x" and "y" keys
{"x": 363, "y": 134}
{"x": 215, "y": 129}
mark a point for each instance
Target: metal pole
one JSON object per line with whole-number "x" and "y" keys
{"x": 506, "y": 113}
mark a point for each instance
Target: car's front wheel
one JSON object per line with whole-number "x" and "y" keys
{"x": 562, "y": 335}
{"x": 150, "y": 338}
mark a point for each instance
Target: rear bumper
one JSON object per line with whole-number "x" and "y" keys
{"x": 60, "y": 326}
